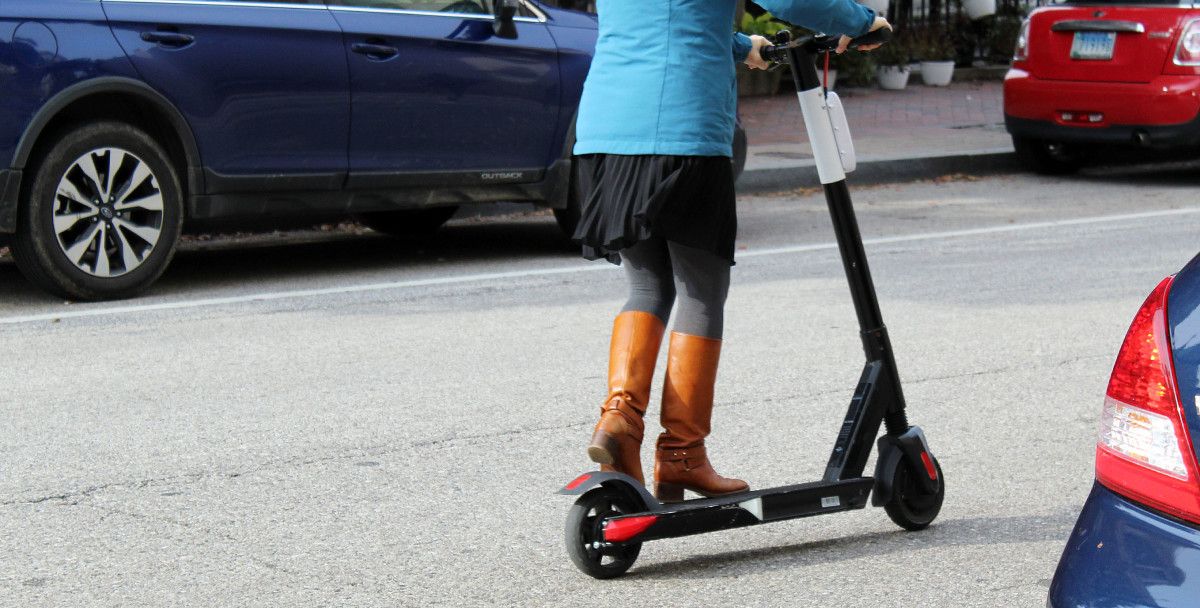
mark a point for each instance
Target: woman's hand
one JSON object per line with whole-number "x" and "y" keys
{"x": 844, "y": 43}
{"x": 754, "y": 59}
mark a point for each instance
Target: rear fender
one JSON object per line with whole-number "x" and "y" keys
{"x": 618, "y": 481}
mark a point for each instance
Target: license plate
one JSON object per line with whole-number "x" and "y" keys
{"x": 1095, "y": 46}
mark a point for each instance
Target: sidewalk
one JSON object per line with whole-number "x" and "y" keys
{"x": 908, "y": 133}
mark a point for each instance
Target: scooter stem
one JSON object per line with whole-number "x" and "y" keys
{"x": 885, "y": 391}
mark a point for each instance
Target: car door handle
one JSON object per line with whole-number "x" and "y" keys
{"x": 375, "y": 51}
{"x": 172, "y": 39}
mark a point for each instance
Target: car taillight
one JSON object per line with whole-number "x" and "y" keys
{"x": 1022, "y": 51}
{"x": 1144, "y": 451}
{"x": 1188, "y": 51}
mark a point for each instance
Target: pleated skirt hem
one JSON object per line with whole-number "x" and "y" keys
{"x": 689, "y": 200}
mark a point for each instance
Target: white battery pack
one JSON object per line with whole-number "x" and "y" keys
{"x": 841, "y": 131}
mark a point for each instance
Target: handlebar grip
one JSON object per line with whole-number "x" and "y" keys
{"x": 879, "y": 36}
{"x": 774, "y": 54}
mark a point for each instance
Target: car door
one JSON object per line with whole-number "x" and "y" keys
{"x": 436, "y": 95}
{"x": 263, "y": 84}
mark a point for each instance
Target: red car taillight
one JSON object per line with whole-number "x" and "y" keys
{"x": 1144, "y": 451}
{"x": 1187, "y": 52}
{"x": 1021, "y": 53}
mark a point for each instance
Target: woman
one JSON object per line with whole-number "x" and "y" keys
{"x": 654, "y": 140}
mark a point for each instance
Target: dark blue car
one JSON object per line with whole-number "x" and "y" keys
{"x": 122, "y": 121}
{"x": 1137, "y": 542}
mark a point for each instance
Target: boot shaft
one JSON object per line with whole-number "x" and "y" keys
{"x": 633, "y": 352}
{"x": 617, "y": 439}
{"x": 687, "y": 401}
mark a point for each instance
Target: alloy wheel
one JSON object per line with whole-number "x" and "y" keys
{"x": 108, "y": 212}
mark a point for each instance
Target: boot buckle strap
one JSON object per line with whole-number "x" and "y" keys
{"x": 690, "y": 462}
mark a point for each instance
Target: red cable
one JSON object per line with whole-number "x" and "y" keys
{"x": 826, "y": 81}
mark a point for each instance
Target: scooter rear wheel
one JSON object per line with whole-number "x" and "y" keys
{"x": 913, "y": 507}
{"x": 585, "y": 531}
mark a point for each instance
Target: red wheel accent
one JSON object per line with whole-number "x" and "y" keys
{"x": 621, "y": 530}
{"x": 929, "y": 469}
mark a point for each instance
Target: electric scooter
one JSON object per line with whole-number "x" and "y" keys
{"x": 615, "y": 514}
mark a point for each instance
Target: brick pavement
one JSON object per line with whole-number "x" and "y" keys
{"x": 873, "y": 112}
{"x": 965, "y": 119}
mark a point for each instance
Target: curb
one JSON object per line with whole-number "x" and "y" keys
{"x": 868, "y": 173}
{"x": 883, "y": 171}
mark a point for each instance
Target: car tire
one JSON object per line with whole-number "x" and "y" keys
{"x": 408, "y": 223}
{"x": 100, "y": 218}
{"x": 1048, "y": 157}
{"x": 568, "y": 217}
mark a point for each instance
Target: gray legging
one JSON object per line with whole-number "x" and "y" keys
{"x": 659, "y": 269}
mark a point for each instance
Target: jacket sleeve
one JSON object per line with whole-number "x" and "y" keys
{"x": 834, "y": 17}
{"x": 741, "y": 46}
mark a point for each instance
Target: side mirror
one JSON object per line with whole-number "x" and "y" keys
{"x": 506, "y": 12}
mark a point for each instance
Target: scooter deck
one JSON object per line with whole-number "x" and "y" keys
{"x": 756, "y": 507}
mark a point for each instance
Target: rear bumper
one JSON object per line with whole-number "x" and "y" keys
{"x": 1164, "y": 112}
{"x": 1121, "y": 554}
{"x": 10, "y": 187}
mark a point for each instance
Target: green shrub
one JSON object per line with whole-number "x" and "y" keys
{"x": 898, "y": 52}
{"x": 933, "y": 44}
{"x": 854, "y": 68}
{"x": 1002, "y": 37}
{"x": 763, "y": 25}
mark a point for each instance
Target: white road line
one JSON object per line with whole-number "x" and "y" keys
{"x": 593, "y": 267}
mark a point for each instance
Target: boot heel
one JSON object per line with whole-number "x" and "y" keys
{"x": 602, "y": 448}
{"x": 668, "y": 492}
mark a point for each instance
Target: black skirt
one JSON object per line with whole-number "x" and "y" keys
{"x": 689, "y": 200}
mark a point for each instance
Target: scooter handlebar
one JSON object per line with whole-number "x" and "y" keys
{"x": 777, "y": 53}
{"x": 882, "y": 35}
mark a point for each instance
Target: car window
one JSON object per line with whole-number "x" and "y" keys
{"x": 588, "y": 6}
{"x": 467, "y": 7}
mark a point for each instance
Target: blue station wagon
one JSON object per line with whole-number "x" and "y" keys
{"x": 122, "y": 121}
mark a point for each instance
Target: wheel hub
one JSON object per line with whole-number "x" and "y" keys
{"x": 108, "y": 212}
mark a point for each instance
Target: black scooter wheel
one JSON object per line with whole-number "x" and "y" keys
{"x": 584, "y": 534}
{"x": 913, "y": 507}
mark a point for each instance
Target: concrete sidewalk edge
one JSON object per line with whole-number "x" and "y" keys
{"x": 881, "y": 171}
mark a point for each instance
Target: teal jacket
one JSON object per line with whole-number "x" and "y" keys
{"x": 663, "y": 79}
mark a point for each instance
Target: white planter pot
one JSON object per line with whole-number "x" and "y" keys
{"x": 879, "y": 6}
{"x": 977, "y": 9}
{"x": 892, "y": 77}
{"x": 937, "y": 73}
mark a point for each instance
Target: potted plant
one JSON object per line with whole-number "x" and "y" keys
{"x": 937, "y": 53}
{"x": 893, "y": 59}
{"x": 1002, "y": 37}
{"x": 759, "y": 82}
{"x": 852, "y": 68}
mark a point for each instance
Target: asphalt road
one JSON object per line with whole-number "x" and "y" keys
{"x": 348, "y": 420}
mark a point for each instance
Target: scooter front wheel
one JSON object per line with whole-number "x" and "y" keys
{"x": 913, "y": 507}
{"x": 585, "y": 534}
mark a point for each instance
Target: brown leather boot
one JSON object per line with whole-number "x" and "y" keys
{"x": 681, "y": 461}
{"x": 617, "y": 441}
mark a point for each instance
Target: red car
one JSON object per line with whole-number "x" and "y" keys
{"x": 1086, "y": 74}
